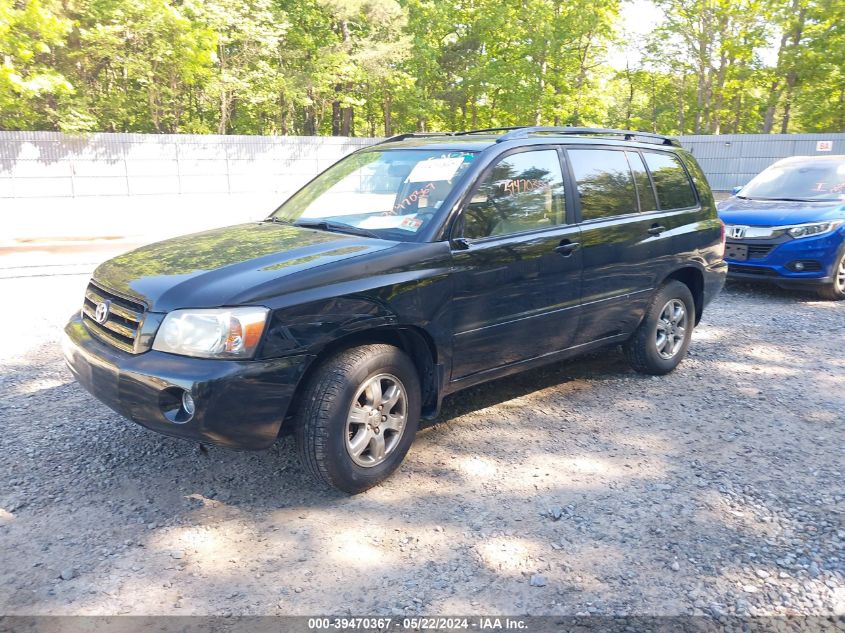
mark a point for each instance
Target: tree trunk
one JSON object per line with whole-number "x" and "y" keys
{"x": 388, "y": 122}
{"x": 775, "y": 89}
{"x": 224, "y": 93}
{"x": 224, "y": 112}
{"x": 309, "y": 125}
{"x": 792, "y": 75}
{"x": 682, "y": 117}
{"x": 629, "y": 106}
{"x": 541, "y": 88}
{"x": 703, "y": 57}
{"x": 737, "y": 113}
{"x": 342, "y": 116}
{"x": 842, "y": 108}
{"x": 346, "y": 122}
{"x": 336, "y": 109}
{"x": 653, "y": 104}
{"x": 725, "y": 62}
{"x": 787, "y": 111}
{"x": 582, "y": 77}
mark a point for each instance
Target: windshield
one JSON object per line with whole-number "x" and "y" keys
{"x": 799, "y": 180}
{"x": 392, "y": 194}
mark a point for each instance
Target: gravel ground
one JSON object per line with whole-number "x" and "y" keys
{"x": 578, "y": 488}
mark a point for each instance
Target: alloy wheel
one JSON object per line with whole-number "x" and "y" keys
{"x": 671, "y": 328}
{"x": 376, "y": 420}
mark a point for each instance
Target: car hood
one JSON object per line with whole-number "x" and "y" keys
{"x": 222, "y": 266}
{"x": 736, "y": 210}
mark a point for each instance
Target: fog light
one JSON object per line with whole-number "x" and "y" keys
{"x": 188, "y": 404}
{"x": 799, "y": 266}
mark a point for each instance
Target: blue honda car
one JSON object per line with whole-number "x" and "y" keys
{"x": 787, "y": 226}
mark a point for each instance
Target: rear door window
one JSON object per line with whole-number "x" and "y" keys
{"x": 674, "y": 190}
{"x": 644, "y": 188}
{"x": 605, "y": 183}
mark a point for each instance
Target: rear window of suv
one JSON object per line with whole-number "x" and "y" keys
{"x": 605, "y": 183}
{"x": 674, "y": 190}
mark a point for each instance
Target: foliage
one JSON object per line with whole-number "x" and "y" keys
{"x": 373, "y": 67}
{"x": 30, "y": 84}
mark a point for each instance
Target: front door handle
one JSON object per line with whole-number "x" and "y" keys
{"x": 656, "y": 229}
{"x": 566, "y": 248}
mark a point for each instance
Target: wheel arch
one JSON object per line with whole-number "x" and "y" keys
{"x": 692, "y": 278}
{"x": 415, "y": 341}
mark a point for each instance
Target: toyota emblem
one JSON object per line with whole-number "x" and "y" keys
{"x": 101, "y": 314}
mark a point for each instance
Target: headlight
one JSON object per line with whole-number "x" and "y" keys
{"x": 218, "y": 333}
{"x": 816, "y": 228}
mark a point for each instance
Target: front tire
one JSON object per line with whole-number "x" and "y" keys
{"x": 661, "y": 341}
{"x": 358, "y": 418}
{"x": 835, "y": 290}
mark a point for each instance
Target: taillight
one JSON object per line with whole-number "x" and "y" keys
{"x": 724, "y": 239}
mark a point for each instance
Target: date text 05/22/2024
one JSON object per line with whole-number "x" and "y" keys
{"x": 418, "y": 623}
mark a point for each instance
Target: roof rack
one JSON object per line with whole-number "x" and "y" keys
{"x": 402, "y": 137}
{"x": 628, "y": 135}
{"x": 485, "y": 130}
{"x": 522, "y": 131}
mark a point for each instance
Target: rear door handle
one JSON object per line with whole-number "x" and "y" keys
{"x": 656, "y": 229}
{"x": 567, "y": 248}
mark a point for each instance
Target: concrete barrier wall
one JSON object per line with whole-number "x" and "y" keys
{"x": 153, "y": 185}
{"x": 50, "y": 164}
{"x": 125, "y": 185}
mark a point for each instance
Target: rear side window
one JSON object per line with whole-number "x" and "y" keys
{"x": 644, "y": 189}
{"x": 674, "y": 190}
{"x": 605, "y": 183}
{"x": 523, "y": 192}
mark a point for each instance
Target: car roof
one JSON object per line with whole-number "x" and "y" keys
{"x": 810, "y": 159}
{"x": 534, "y": 135}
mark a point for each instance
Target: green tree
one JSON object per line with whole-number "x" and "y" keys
{"x": 138, "y": 65}
{"x": 31, "y": 34}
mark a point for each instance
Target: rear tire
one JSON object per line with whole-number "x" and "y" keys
{"x": 661, "y": 341}
{"x": 359, "y": 414}
{"x": 835, "y": 290}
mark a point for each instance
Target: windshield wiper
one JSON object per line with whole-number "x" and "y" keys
{"x": 279, "y": 220}
{"x": 337, "y": 227}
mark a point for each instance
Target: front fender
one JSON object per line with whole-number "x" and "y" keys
{"x": 314, "y": 325}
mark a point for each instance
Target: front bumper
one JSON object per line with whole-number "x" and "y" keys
{"x": 774, "y": 266}
{"x": 768, "y": 275}
{"x": 239, "y": 404}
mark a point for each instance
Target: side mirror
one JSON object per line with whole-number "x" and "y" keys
{"x": 459, "y": 244}
{"x": 736, "y": 190}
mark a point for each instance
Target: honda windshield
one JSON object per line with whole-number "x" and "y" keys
{"x": 393, "y": 194}
{"x": 808, "y": 179}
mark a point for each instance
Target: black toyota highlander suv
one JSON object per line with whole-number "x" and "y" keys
{"x": 405, "y": 272}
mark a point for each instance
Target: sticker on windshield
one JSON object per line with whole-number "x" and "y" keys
{"x": 435, "y": 169}
{"x": 403, "y": 222}
{"x": 411, "y": 223}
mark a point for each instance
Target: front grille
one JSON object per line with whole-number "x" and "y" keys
{"x": 751, "y": 270}
{"x": 124, "y": 319}
{"x": 759, "y": 251}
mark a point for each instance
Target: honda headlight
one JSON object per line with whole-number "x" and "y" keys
{"x": 815, "y": 228}
{"x": 218, "y": 333}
